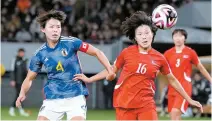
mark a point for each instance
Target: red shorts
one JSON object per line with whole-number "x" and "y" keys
{"x": 145, "y": 113}
{"x": 177, "y": 101}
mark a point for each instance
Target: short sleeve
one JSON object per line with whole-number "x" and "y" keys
{"x": 80, "y": 45}
{"x": 35, "y": 64}
{"x": 165, "y": 69}
{"x": 77, "y": 43}
{"x": 119, "y": 62}
{"x": 194, "y": 58}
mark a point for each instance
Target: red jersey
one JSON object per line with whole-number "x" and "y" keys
{"x": 181, "y": 67}
{"x": 135, "y": 87}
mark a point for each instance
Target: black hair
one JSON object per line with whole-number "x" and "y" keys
{"x": 43, "y": 18}
{"x": 21, "y": 50}
{"x": 134, "y": 21}
{"x": 182, "y": 31}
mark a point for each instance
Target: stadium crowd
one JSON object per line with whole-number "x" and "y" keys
{"x": 93, "y": 21}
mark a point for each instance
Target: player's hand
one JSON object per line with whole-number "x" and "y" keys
{"x": 81, "y": 77}
{"x": 196, "y": 104}
{"x": 12, "y": 83}
{"x": 111, "y": 76}
{"x": 20, "y": 99}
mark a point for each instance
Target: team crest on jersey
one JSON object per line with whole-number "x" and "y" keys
{"x": 64, "y": 52}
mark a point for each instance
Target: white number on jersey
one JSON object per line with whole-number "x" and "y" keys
{"x": 141, "y": 68}
{"x": 177, "y": 63}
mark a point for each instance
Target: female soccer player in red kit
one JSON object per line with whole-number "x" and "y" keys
{"x": 139, "y": 65}
{"x": 180, "y": 59}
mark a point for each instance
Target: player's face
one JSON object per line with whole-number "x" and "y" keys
{"x": 52, "y": 30}
{"x": 21, "y": 54}
{"x": 143, "y": 36}
{"x": 179, "y": 39}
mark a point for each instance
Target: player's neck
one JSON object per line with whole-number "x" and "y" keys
{"x": 141, "y": 49}
{"x": 51, "y": 43}
{"x": 179, "y": 48}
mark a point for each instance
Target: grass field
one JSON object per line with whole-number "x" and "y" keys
{"x": 91, "y": 115}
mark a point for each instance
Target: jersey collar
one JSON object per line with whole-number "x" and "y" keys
{"x": 55, "y": 46}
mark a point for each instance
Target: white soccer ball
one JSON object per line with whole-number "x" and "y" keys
{"x": 164, "y": 16}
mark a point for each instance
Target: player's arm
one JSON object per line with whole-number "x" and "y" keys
{"x": 100, "y": 56}
{"x": 34, "y": 67}
{"x": 165, "y": 70}
{"x": 177, "y": 86}
{"x": 118, "y": 64}
{"x": 204, "y": 72}
{"x": 101, "y": 75}
{"x": 91, "y": 50}
{"x": 25, "y": 87}
{"x": 195, "y": 60}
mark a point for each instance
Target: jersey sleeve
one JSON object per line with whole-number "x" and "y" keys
{"x": 194, "y": 58}
{"x": 165, "y": 69}
{"x": 35, "y": 64}
{"x": 80, "y": 45}
{"x": 119, "y": 62}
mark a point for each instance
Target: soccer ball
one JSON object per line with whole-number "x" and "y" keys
{"x": 164, "y": 16}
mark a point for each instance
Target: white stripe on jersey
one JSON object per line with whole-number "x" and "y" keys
{"x": 69, "y": 38}
{"x": 187, "y": 78}
{"x": 152, "y": 89}
{"x": 182, "y": 106}
{"x": 42, "y": 47}
{"x": 167, "y": 64}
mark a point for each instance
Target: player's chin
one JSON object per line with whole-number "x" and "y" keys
{"x": 145, "y": 46}
{"x": 54, "y": 39}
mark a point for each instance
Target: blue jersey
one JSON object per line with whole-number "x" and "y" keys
{"x": 61, "y": 63}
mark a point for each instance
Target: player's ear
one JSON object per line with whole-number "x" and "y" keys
{"x": 42, "y": 29}
{"x": 134, "y": 41}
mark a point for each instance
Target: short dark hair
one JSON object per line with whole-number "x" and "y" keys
{"x": 134, "y": 21}
{"x": 21, "y": 50}
{"x": 43, "y": 18}
{"x": 182, "y": 31}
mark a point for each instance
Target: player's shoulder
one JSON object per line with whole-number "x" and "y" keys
{"x": 40, "y": 49}
{"x": 171, "y": 50}
{"x": 68, "y": 39}
{"x": 131, "y": 48}
{"x": 157, "y": 54}
{"x": 128, "y": 49}
{"x": 189, "y": 49}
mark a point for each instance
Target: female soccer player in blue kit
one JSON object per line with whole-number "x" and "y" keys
{"x": 59, "y": 57}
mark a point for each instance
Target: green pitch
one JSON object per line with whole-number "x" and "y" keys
{"x": 91, "y": 115}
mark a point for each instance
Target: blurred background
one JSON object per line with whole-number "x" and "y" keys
{"x": 98, "y": 23}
